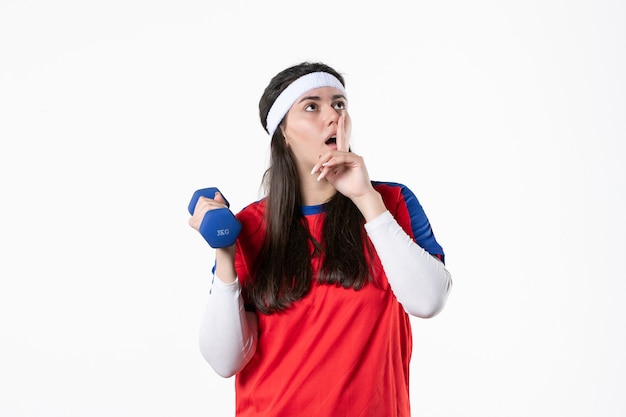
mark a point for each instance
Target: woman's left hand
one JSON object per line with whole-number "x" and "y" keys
{"x": 345, "y": 170}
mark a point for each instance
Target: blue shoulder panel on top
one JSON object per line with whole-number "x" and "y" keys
{"x": 420, "y": 225}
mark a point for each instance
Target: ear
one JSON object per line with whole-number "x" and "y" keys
{"x": 282, "y": 131}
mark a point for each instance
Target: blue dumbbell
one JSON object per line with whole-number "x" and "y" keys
{"x": 219, "y": 227}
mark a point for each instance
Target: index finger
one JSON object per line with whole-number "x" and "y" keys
{"x": 343, "y": 142}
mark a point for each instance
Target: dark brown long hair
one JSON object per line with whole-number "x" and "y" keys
{"x": 283, "y": 273}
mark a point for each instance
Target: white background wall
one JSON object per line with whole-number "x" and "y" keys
{"x": 507, "y": 119}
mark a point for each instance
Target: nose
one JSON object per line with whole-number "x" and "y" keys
{"x": 332, "y": 115}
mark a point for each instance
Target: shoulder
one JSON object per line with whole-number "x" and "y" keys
{"x": 388, "y": 186}
{"x": 252, "y": 219}
{"x": 403, "y": 204}
{"x": 394, "y": 193}
{"x": 252, "y": 212}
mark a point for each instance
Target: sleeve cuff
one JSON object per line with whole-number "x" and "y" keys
{"x": 221, "y": 286}
{"x": 379, "y": 221}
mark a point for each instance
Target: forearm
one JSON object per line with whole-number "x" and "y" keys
{"x": 225, "y": 264}
{"x": 420, "y": 282}
{"x": 370, "y": 204}
{"x": 228, "y": 334}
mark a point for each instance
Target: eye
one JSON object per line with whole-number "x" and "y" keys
{"x": 310, "y": 107}
{"x": 340, "y": 105}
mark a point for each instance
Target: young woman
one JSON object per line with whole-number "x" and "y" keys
{"x": 310, "y": 308}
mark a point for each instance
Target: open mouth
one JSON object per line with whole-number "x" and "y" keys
{"x": 331, "y": 140}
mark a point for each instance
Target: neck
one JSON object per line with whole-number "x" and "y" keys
{"x": 315, "y": 192}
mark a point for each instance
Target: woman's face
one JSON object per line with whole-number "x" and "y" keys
{"x": 310, "y": 126}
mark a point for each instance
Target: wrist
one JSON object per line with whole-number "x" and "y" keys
{"x": 225, "y": 264}
{"x": 370, "y": 204}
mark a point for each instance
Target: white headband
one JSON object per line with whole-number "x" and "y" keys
{"x": 285, "y": 100}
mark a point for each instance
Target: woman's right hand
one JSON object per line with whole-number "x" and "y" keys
{"x": 224, "y": 257}
{"x": 203, "y": 205}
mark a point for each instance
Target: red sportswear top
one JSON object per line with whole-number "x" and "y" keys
{"x": 336, "y": 352}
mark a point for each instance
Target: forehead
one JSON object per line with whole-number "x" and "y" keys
{"x": 321, "y": 93}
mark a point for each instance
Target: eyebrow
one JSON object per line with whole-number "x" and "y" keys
{"x": 318, "y": 98}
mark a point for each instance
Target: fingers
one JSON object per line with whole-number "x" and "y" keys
{"x": 219, "y": 198}
{"x": 342, "y": 140}
{"x": 203, "y": 205}
{"x": 324, "y": 172}
{"x": 344, "y": 128}
{"x": 333, "y": 165}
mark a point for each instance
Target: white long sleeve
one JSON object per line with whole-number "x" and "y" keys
{"x": 228, "y": 334}
{"x": 420, "y": 282}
